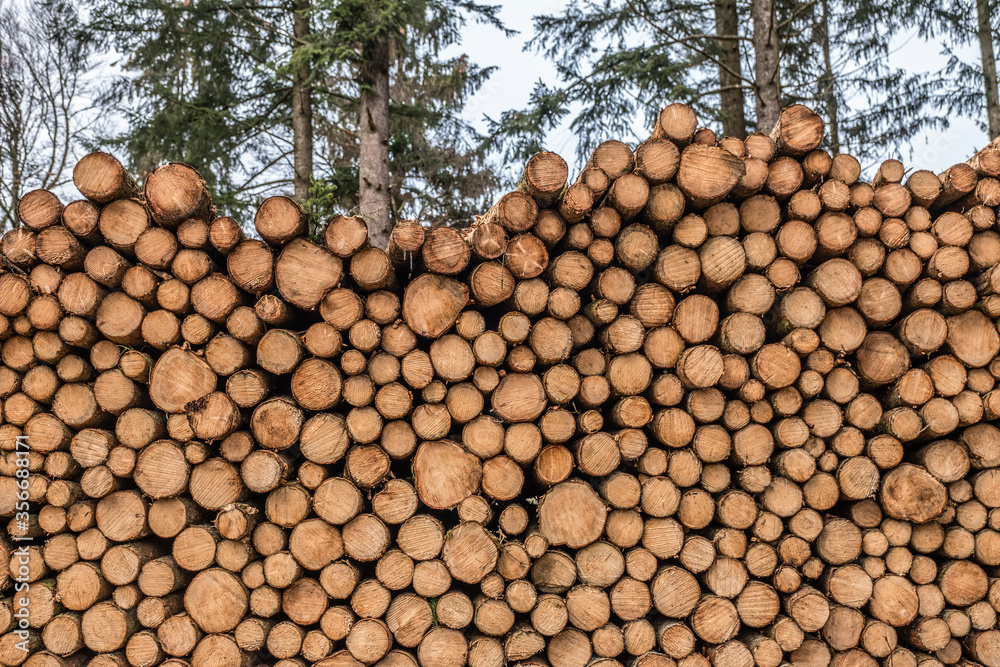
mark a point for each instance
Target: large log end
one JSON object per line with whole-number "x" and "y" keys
{"x": 178, "y": 378}
{"x": 708, "y": 173}
{"x": 176, "y": 192}
{"x": 432, "y": 303}
{"x": 571, "y": 513}
{"x": 799, "y": 130}
{"x": 216, "y": 600}
{"x": 911, "y": 493}
{"x": 445, "y": 474}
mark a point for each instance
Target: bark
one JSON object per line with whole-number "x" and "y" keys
{"x": 827, "y": 83}
{"x": 734, "y": 122}
{"x": 302, "y": 115}
{"x": 375, "y": 204}
{"x": 984, "y": 31}
{"x": 766, "y": 65}
{"x": 16, "y": 171}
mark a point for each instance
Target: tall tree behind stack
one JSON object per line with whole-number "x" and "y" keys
{"x": 196, "y": 88}
{"x": 834, "y": 55}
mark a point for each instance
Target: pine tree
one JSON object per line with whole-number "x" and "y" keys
{"x": 723, "y": 58}
{"x": 732, "y": 101}
{"x": 416, "y": 156}
{"x": 767, "y": 63}
{"x": 984, "y": 34}
{"x": 962, "y": 87}
{"x": 302, "y": 94}
{"x": 203, "y": 83}
{"x": 373, "y": 124}
{"x": 266, "y": 98}
{"x": 837, "y": 60}
{"x": 617, "y": 59}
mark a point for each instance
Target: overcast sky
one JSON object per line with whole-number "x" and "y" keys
{"x": 511, "y": 85}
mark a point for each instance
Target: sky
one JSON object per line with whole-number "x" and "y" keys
{"x": 518, "y": 70}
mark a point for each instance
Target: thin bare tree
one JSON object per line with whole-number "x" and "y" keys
{"x": 46, "y": 108}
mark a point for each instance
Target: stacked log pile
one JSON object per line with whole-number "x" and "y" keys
{"x": 713, "y": 402}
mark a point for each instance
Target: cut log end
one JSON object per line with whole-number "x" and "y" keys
{"x": 571, "y": 513}
{"x": 431, "y": 304}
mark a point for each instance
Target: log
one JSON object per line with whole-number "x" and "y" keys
{"x": 799, "y": 131}
{"x": 676, "y": 122}
{"x": 18, "y": 247}
{"x": 57, "y": 246}
{"x": 571, "y": 513}
{"x": 488, "y": 240}
{"x": 156, "y": 247}
{"x": 304, "y": 272}
{"x": 906, "y": 482}
{"x": 707, "y": 174}
{"x": 80, "y": 217}
{"x": 519, "y": 397}
{"x": 445, "y": 474}
{"x": 544, "y": 178}
{"x": 405, "y": 241}
{"x": 101, "y": 178}
{"x": 216, "y": 600}
{"x": 431, "y": 304}
{"x": 122, "y": 222}
{"x": 345, "y": 235}
{"x": 657, "y": 160}
{"x": 178, "y": 378}
{"x": 445, "y": 252}
{"x": 176, "y": 192}
{"x": 278, "y": 220}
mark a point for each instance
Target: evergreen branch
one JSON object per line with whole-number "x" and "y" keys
{"x": 267, "y": 184}
{"x": 673, "y": 41}
{"x": 795, "y": 13}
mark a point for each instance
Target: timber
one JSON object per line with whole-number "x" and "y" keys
{"x": 708, "y": 402}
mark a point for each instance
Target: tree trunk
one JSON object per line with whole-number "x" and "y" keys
{"x": 766, "y": 70}
{"x": 827, "y": 82}
{"x": 302, "y": 137}
{"x": 374, "y": 129}
{"x": 727, "y": 22}
{"x": 989, "y": 67}
{"x": 16, "y": 177}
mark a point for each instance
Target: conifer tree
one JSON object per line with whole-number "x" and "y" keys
{"x": 617, "y": 59}
{"x": 965, "y": 87}
{"x": 416, "y": 156}
{"x": 730, "y": 61}
{"x": 266, "y": 98}
{"x": 842, "y": 68}
{"x": 984, "y": 34}
{"x": 201, "y": 84}
{"x": 767, "y": 63}
{"x": 730, "y": 65}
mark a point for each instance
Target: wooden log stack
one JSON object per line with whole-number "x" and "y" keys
{"x": 712, "y": 403}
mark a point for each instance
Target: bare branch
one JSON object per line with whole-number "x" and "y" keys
{"x": 44, "y": 60}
